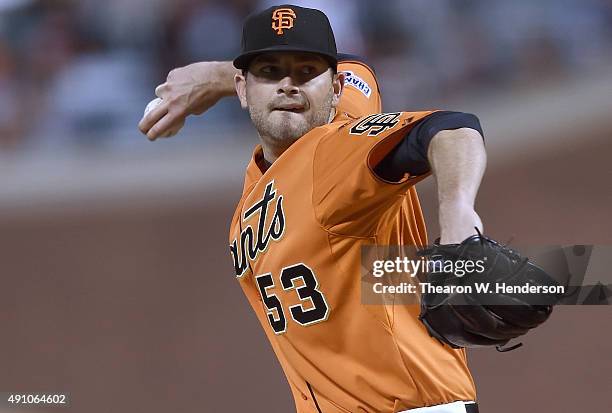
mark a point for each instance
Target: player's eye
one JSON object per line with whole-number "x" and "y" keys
{"x": 268, "y": 69}
{"x": 308, "y": 70}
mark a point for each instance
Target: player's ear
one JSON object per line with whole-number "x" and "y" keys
{"x": 338, "y": 86}
{"x": 240, "y": 84}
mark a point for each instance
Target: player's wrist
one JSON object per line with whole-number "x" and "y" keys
{"x": 224, "y": 78}
{"x": 208, "y": 82}
{"x": 458, "y": 221}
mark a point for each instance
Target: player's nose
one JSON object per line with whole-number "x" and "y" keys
{"x": 287, "y": 86}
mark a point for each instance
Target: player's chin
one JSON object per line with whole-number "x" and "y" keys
{"x": 289, "y": 130}
{"x": 286, "y": 120}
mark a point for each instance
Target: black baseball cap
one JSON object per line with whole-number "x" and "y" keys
{"x": 287, "y": 28}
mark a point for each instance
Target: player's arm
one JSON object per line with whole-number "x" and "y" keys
{"x": 188, "y": 90}
{"x": 450, "y": 145}
{"x": 193, "y": 89}
{"x": 458, "y": 162}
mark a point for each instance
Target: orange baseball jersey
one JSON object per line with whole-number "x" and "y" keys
{"x": 295, "y": 241}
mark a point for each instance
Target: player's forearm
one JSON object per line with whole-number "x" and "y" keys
{"x": 198, "y": 86}
{"x": 226, "y": 72}
{"x": 458, "y": 160}
{"x": 188, "y": 90}
{"x": 212, "y": 76}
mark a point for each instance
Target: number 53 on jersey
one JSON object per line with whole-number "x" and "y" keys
{"x": 312, "y": 308}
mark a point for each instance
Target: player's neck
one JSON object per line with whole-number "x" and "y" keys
{"x": 265, "y": 163}
{"x": 272, "y": 151}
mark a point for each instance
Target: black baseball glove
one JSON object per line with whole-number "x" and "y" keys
{"x": 475, "y": 305}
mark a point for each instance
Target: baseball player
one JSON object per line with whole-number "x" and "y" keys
{"x": 333, "y": 174}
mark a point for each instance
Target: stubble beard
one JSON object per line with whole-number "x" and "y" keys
{"x": 282, "y": 131}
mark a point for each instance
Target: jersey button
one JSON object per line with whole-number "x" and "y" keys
{"x": 304, "y": 396}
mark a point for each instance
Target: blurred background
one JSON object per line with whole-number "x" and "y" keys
{"x": 115, "y": 280}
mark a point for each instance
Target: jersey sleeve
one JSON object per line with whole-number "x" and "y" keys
{"x": 349, "y": 198}
{"x": 361, "y": 95}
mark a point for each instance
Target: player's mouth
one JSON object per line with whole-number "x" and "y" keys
{"x": 295, "y": 108}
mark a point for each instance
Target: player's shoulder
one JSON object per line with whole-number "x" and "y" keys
{"x": 375, "y": 124}
{"x": 358, "y": 74}
{"x": 346, "y": 60}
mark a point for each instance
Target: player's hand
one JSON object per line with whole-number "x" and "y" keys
{"x": 188, "y": 90}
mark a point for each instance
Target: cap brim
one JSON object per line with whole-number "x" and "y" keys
{"x": 243, "y": 61}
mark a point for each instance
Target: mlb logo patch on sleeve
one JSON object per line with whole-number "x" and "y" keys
{"x": 358, "y": 83}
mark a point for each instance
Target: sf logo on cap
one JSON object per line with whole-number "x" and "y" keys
{"x": 282, "y": 19}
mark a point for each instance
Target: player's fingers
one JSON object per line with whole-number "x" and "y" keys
{"x": 152, "y": 117}
{"x": 169, "y": 125}
{"x": 174, "y": 129}
{"x": 161, "y": 90}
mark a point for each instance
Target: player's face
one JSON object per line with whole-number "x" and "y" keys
{"x": 288, "y": 94}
